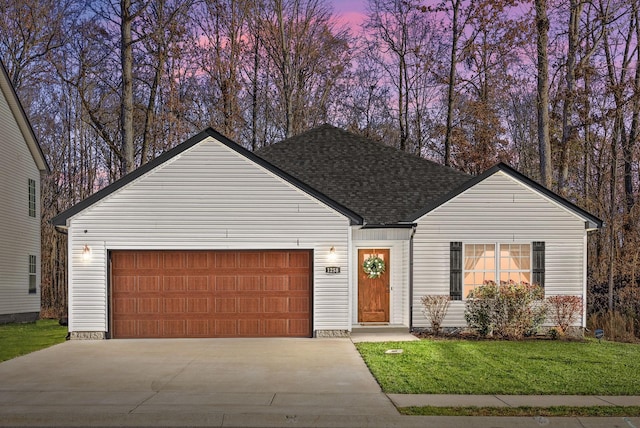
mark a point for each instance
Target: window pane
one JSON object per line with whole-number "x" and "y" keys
{"x": 515, "y": 262}
{"x": 32, "y": 198}
{"x": 479, "y": 265}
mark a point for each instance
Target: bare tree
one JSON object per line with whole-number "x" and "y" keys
{"x": 544, "y": 141}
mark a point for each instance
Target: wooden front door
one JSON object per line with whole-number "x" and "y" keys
{"x": 373, "y": 293}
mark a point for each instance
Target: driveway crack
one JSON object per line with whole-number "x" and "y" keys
{"x": 156, "y": 386}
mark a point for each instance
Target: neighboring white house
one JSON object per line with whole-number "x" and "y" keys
{"x": 21, "y": 164}
{"x": 211, "y": 240}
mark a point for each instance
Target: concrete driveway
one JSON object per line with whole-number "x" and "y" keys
{"x": 213, "y": 382}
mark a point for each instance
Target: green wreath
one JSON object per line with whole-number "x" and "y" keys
{"x": 373, "y": 266}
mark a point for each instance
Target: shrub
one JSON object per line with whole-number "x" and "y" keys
{"x": 565, "y": 310}
{"x": 435, "y": 309}
{"x": 509, "y": 310}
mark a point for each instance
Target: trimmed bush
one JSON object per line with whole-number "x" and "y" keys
{"x": 564, "y": 311}
{"x": 509, "y": 310}
{"x": 435, "y": 309}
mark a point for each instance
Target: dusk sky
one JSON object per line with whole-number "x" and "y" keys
{"x": 350, "y": 12}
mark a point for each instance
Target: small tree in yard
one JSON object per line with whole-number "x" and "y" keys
{"x": 435, "y": 309}
{"x": 509, "y": 310}
{"x": 565, "y": 310}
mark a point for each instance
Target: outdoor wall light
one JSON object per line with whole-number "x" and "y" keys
{"x": 86, "y": 253}
{"x": 332, "y": 255}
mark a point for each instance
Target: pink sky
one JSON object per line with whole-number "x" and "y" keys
{"x": 350, "y": 12}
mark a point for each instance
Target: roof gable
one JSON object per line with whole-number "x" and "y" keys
{"x": 592, "y": 221}
{"x": 7, "y": 89}
{"x": 381, "y": 183}
{"x": 61, "y": 219}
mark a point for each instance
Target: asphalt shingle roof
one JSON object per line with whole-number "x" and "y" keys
{"x": 382, "y": 184}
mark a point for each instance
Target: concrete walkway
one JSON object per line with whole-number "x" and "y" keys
{"x": 232, "y": 383}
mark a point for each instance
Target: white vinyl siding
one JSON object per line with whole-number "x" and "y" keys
{"x": 208, "y": 197}
{"x": 20, "y": 232}
{"x": 497, "y": 210}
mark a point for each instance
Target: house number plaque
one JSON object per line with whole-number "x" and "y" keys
{"x": 332, "y": 269}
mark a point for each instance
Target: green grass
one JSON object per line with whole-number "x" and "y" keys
{"x": 504, "y": 367}
{"x": 565, "y": 411}
{"x": 21, "y": 339}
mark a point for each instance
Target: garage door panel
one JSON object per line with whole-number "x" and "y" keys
{"x": 275, "y": 327}
{"x": 210, "y": 294}
{"x": 249, "y": 260}
{"x": 276, "y": 259}
{"x": 198, "y": 260}
{"x": 125, "y": 260}
{"x": 249, "y": 327}
{"x": 226, "y": 328}
{"x": 198, "y": 328}
{"x": 226, "y": 283}
{"x": 300, "y": 260}
{"x": 125, "y": 284}
{"x": 276, "y": 283}
{"x": 148, "y": 305}
{"x": 174, "y": 260}
{"x": 147, "y": 328}
{"x": 147, "y": 260}
{"x": 197, "y": 283}
{"x": 174, "y": 328}
{"x": 226, "y": 305}
{"x": 276, "y": 304}
{"x": 249, "y": 305}
{"x": 148, "y": 284}
{"x": 299, "y": 304}
{"x": 298, "y": 327}
{"x": 225, "y": 259}
{"x": 197, "y": 305}
{"x": 299, "y": 283}
{"x": 174, "y": 284}
{"x": 124, "y": 305}
{"x": 249, "y": 283}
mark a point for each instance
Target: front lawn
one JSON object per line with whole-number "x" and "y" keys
{"x": 504, "y": 367}
{"x": 20, "y": 339}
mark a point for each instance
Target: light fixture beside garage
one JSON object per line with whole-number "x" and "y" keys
{"x": 86, "y": 253}
{"x": 332, "y": 258}
{"x": 332, "y": 255}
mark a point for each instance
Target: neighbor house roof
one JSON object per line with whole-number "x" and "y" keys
{"x": 21, "y": 119}
{"x": 381, "y": 183}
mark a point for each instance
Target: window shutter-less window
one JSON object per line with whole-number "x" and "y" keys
{"x": 455, "y": 276}
{"x": 537, "y": 271}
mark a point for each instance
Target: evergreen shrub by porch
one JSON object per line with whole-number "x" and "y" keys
{"x": 508, "y": 310}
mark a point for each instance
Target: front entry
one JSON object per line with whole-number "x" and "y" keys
{"x": 373, "y": 286}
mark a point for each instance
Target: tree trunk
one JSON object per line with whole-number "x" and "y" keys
{"x": 544, "y": 142}
{"x": 455, "y": 4}
{"x": 126, "y": 109}
{"x": 567, "y": 107}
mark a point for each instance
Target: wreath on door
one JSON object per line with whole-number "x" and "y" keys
{"x": 373, "y": 266}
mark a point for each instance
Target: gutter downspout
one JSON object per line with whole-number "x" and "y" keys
{"x": 413, "y": 232}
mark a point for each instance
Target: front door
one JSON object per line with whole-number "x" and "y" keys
{"x": 373, "y": 286}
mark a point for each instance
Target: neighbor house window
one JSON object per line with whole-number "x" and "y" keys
{"x": 32, "y": 274}
{"x": 495, "y": 262}
{"x": 32, "y": 198}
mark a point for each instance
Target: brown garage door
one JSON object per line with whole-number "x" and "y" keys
{"x": 210, "y": 293}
